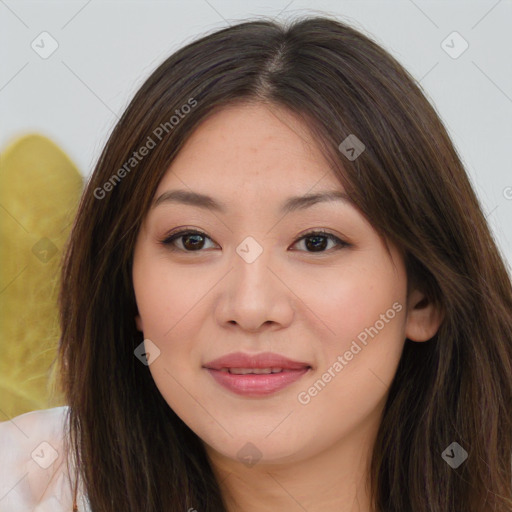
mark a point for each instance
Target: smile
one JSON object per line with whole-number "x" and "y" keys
{"x": 255, "y": 375}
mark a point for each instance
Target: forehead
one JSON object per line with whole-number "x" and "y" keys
{"x": 250, "y": 147}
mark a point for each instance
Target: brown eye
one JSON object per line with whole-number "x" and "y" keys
{"x": 191, "y": 241}
{"x": 317, "y": 241}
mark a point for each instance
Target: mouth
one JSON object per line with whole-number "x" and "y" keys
{"x": 256, "y": 375}
{"x": 255, "y": 371}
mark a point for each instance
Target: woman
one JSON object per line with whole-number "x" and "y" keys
{"x": 280, "y": 292}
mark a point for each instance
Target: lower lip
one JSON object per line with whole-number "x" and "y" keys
{"x": 256, "y": 384}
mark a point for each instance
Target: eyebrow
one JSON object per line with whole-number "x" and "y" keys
{"x": 290, "y": 205}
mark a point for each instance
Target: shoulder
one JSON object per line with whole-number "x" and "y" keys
{"x": 34, "y": 471}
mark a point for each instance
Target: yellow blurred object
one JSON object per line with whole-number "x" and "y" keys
{"x": 39, "y": 192}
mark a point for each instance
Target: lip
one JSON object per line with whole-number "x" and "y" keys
{"x": 256, "y": 385}
{"x": 262, "y": 360}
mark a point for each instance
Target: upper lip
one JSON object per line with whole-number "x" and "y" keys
{"x": 262, "y": 360}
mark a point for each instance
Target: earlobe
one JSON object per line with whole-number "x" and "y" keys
{"x": 423, "y": 317}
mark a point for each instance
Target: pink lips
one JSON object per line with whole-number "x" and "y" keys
{"x": 284, "y": 371}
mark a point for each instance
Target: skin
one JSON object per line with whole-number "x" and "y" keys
{"x": 310, "y": 306}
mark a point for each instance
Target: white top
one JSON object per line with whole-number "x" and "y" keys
{"x": 34, "y": 472}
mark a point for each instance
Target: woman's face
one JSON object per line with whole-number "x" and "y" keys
{"x": 251, "y": 283}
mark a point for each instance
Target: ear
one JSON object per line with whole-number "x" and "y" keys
{"x": 138, "y": 323}
{"x": 423, "y": 317}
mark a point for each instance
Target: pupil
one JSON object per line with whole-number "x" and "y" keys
{"x": 195, "y": 245}
{"x": 317, "y": 242}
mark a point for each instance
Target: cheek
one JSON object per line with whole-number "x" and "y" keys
{"x": 354, "y": 301}
{"x": 350, "y": 386}
{"x": 167, "y": 302}
{"x": 365, "y": 313}
{"x": 165, "y": 296}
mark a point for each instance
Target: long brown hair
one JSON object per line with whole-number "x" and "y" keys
{"x": 134, "y": 453}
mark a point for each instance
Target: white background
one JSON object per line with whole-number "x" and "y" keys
{"x": 108, "y": 48}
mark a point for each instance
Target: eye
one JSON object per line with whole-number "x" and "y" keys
{"x": 318, "y": 240}
{"x": 194, "y": 241}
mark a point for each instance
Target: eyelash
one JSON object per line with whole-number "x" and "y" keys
{"x": 168, "y": 241}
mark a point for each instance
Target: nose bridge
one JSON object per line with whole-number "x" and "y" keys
{"x": 251, "y": 263}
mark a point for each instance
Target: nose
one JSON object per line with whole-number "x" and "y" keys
{"x": 254, "y": 295}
